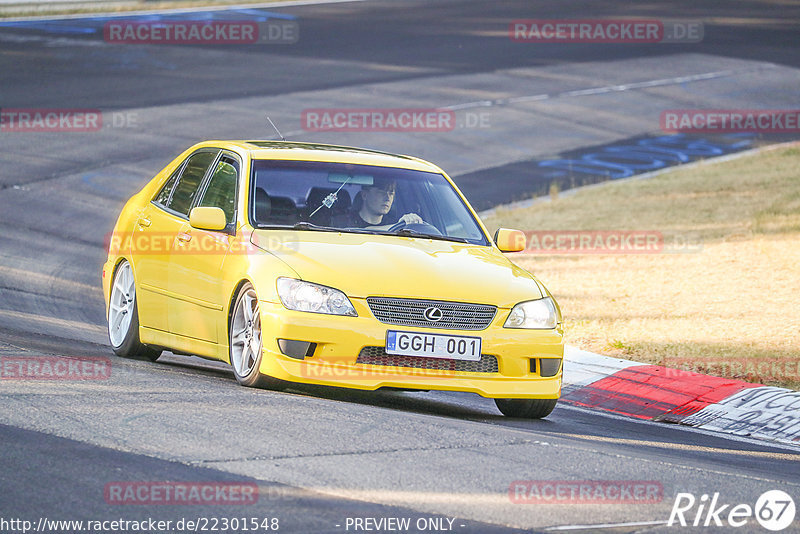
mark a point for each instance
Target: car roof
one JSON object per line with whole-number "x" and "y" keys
{"x": 299, "y": 151}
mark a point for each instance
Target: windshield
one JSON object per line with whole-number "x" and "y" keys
{"x": 359, "y": 198}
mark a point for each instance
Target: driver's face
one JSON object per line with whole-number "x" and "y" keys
{"x": 379, "y": 200}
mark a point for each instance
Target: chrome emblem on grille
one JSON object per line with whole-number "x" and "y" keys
{"x": 413, "y": 312}
{"x": 433, "y": 314}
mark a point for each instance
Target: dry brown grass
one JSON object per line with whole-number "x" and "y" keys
{"x": 730, "y": 308}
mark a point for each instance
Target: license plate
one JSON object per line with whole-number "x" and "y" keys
{"x": 433, "y": 345}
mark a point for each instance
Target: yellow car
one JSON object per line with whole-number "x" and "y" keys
{"x": 321, "y": 264}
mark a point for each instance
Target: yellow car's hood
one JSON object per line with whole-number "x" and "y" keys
{"x": 374, "y": 265}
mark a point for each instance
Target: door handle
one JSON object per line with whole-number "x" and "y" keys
{"x": 145, "y": 222}
{"x": 184, "y": 238}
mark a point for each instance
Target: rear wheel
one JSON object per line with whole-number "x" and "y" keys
{"x": 246, "y": 346}
{"x": 526, "y": 408}
{"x": 123, "y": 317}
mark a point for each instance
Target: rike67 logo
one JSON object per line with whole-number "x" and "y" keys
{"x": 774, "y": 510}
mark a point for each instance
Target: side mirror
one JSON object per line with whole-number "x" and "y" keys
{"x": 510, "y": 240}
{"x": 208, "y": 218}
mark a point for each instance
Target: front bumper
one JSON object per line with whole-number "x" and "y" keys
{"x": 339, "y": 340}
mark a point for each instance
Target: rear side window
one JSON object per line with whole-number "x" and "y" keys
{"x": 193, "y": 173}
{"x": 163, "y": 196}
{"x": 221, "y": 190}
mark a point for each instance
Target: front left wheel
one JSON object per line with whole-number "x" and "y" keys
{"x": 123, "y": 317}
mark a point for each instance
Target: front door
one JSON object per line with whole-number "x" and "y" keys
{"x": 199, "y": 256}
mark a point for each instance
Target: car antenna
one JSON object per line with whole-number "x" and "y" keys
{"x": 276, "y": 128}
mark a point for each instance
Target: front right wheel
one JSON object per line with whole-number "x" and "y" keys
{"x": 245, "y": 343}
{"x": 526, "y": 408}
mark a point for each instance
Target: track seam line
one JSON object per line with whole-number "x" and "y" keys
{"x": 379, "y": 451}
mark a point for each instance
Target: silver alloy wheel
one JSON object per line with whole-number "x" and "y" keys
{"x": 121, "y": 305}
{"x": 246, "y": 334}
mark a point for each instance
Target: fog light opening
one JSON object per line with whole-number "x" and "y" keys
{"x": 533, "y": 365}
{"x": 549, "y": 366}
{"x": 298, "y": 350}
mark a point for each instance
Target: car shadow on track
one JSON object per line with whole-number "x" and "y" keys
{"x": 439, "y": 403}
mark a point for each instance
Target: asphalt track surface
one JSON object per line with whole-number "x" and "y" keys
{"x": 322, "y": 455}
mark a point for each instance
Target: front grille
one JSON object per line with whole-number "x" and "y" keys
{"x": 377, "y": 356}
{"x": 411, "y": 312}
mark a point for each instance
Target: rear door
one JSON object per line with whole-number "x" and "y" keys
{"x": 150, "y": 256}
{"x": 156, "y": 231}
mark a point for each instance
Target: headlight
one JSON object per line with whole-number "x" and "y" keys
{"x": 314, "y": 298}
{"x": 540, "y": 314}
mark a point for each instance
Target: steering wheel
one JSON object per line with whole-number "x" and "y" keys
{"x": 423, "y": 227}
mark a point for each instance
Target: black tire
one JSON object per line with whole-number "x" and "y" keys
{"x": 526, "y": 408}
{"x": 246, "y": 366}
{"x": 131, "y": 346}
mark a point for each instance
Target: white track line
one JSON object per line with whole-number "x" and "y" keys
{"x": 681, "y": 428}
{"x": 608, "y": 525}
{"x": 661, "y": 82}
{"x": 91, "y": 15}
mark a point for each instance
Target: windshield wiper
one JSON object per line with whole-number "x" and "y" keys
{"x": 303, "y": 225}
{"x": 297, "y": 226}
{"x": 405, "y": 232}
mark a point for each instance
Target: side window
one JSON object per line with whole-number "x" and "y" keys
{"x": 190, "y": 181}
{"x": 221, "y": 190}
{"x": 163, "y": 196}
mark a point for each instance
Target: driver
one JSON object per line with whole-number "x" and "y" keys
{"x": 377, "y": 201}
